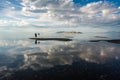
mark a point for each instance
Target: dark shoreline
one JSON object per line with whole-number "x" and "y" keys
{"x": 56, "y": 39}
{"x": 117, "y": 41}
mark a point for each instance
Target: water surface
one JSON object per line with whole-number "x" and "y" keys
{"x": 23, "y": 59}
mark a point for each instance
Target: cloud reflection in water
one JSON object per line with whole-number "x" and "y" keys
{"x": 97, "y": 52}
{"x": 27, "y": 57}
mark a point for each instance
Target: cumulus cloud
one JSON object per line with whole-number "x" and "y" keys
{"x": 9, "y": 14}
{"x": 58, "y": 12}
{"x": 69, "y": 13}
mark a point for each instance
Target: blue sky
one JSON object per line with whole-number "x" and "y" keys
{"x": 84, "y": 2}
{"x": 20, "y": 14}
{"x": 117, "y": 2}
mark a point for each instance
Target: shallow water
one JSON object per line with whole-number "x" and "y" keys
{"x": 23, "y": 59}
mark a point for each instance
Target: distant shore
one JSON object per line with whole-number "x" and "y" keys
{"x": 69, "y": 32}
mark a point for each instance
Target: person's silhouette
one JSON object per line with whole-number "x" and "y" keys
{"x": 35, "y": 34}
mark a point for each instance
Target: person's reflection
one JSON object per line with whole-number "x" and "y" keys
{"x": 37, "y": 42}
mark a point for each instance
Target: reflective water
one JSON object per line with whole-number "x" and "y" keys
{"x": 22, "y": 59}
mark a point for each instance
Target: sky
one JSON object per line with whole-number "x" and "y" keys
{"x": 34, "y": 14}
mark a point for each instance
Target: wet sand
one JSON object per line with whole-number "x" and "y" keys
{"x": 56, "y": 39}
{"x": 117, "y": 41}
{"x": 100, "y": 37}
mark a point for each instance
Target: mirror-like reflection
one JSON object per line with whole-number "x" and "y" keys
{"x": 81, "y": 56}
{"x": 98, "y": 52}
{"x": 24, "y": 55}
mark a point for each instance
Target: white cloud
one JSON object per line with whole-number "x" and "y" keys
{"x": 60, "y": 12}
{"x": 3, "y": 22}
{"x": 118, "y": 7}
{"x": 22, "y": 23}
{"x": 13, "y": 23}
{"x": 67, "y": 12}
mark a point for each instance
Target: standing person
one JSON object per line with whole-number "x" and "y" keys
{"x": 38, "y": 34}
{"x": 35, "y": 34}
